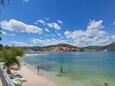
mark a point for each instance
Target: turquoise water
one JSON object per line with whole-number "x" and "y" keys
{"x": 80, "y": 68}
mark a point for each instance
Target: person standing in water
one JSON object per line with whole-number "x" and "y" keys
{"x": 105, "y": 84}
{"x": 38, "y": 69}
{"x": 61, "y": 70}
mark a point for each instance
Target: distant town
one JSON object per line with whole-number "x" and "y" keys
{"x": 70, "y": 48}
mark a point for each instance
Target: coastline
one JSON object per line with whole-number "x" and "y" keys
{"x": 38, "y": 54}
{"x": 75, "y": 75}
{"x": 32, "y": 79}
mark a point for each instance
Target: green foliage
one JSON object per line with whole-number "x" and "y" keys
{"x": 1, "y": 46}
{"x": 9, "y": 56}
{"x": 2, "y": 2}
{"x": 0, "y": 33}
{"x": 18, "y": 51}
{"x": 16, "y": 85}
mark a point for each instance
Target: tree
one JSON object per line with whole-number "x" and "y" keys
{"x": 1, "y": 46}
{"x": 2, "y": 2}
{"x": 9, "y": 56}
{"x": 0, "y": 32}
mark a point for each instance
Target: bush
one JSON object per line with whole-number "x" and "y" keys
{"x": 9, "y": 56}
{"x": 1, "y": 46}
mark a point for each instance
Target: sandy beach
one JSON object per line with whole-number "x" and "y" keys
{"x": 35, "y": 80}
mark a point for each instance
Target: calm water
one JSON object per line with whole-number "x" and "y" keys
{"x": 81, "y": 68}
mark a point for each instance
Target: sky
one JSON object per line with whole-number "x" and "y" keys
{"x": 49, "y": 22}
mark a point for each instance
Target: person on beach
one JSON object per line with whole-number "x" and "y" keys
{"x": 8, "y": 71}
{"x": 105, "y": 84}
{"x": 61, "y": 69}
{"x": 38, "y": 69}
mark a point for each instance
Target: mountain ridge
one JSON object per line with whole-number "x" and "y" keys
{"x": 68, "y": 47}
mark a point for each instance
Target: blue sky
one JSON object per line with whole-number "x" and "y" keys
{"x": 49, "y": 22}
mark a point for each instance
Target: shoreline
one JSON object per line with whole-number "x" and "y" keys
{"x": 32, "y": 79}
{"x": 38, "y": 54}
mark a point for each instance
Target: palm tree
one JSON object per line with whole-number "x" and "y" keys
{"x": 2, "y": 2}
{"x": 9, "y": 56}
{"x": 1, "y": 47}
{"x": 0, "y": 33}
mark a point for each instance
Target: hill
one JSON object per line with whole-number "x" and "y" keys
{"x": 57, "y": 48}
{"x": 67, "y": 47}
{"x": 110, "y": 47}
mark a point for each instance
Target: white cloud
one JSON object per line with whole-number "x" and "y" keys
{"x": 48, "y": 24}
{"x": 47, "y": 30}
{"x": 114, "y": 23}
{"x": 25, "y": 0}
{"x": 67, "y": 34}
{"x": 13, "y": 34}
{"x": 113, "y": 37}
{"x": 40, "y": 21}
{"x": 75, "y": 34}
{"x": 19, "y": 43}
{"x": 45, "y": 42}
{"x": 93, "y": 35}
{"x": 59, "y": 21}
{"x": 54, "y": 35}
{"x": 47, "y": 18}
{"x": 54, "y": 26}
{"x": 59, "y": 34}
{"x": 95, "y": 25}
{"x": 19, "y": 26}
{"x": 4, "y": 33}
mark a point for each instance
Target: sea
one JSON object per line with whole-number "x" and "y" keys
{"x": 80, "y": 68}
